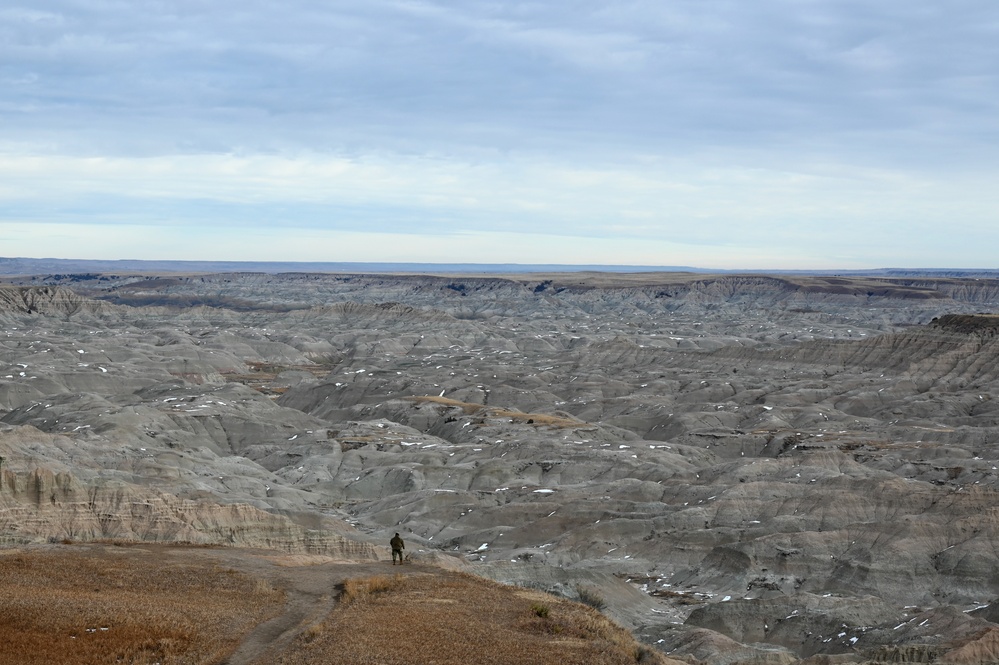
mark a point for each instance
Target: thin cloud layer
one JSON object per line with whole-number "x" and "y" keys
{"x": 703, "y": 129}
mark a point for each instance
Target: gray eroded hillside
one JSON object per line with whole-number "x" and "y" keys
{"x": 745, "y": 468}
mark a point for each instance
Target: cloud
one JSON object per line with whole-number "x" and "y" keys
{"x": 690, "y": 122}
{"x": 459, "y": 76}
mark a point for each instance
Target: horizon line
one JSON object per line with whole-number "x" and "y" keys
{"x": 19, "y": 265}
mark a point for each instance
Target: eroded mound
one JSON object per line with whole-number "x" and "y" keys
{"x": 746, "y": 468}
{"x": 975, "y": 323}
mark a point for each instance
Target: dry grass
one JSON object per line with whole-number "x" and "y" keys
{"x": 262, "y": 374}
{"x": 590, "y": 597}
{"x": 456, "y": 619}
{"x": 357, "y": 588}
{"x": 467, "y": 407}
{"x": 539, "y": 419}
{"x": 88, "y": 607}
{"x": 678, "y": 597}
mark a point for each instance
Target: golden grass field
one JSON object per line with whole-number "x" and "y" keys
{"x": 458, "y": 619}
{"x": 136, "y": 604}
{"x": 88, "y": 607}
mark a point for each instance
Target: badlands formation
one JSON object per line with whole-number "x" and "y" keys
{"x": 744, "y": 469}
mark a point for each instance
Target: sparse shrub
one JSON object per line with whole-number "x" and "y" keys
{"x": 556, "y": 589}
{"x": 540, "y": 610}
{"x": 590, "y": 597}
{"x": 357, "y": 588}
{"x": 314, "y": 631}
{"x": 644, "y": 654}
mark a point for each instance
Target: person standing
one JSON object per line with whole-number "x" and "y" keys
{"x": 397, "y": 547}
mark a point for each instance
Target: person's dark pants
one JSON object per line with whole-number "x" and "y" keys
{"x": 396, "y": 553}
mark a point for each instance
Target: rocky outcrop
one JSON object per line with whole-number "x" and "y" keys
{"x": 49, "y": 301}
{"x": 41, "y": 505}
{"x": 981, "y": 324}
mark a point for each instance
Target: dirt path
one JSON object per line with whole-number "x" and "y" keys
{"x": 311, "y": 585}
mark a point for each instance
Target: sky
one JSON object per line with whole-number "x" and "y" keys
{"x": 772, "y": 134}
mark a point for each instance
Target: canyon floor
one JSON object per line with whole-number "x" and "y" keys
{"x": 741, "y": 469}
